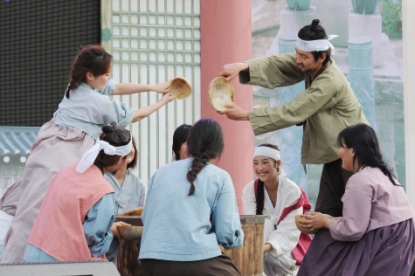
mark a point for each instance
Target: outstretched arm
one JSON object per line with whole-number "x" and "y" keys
{"x": 230, "y": 71}
{"x": 142, "y": 113}
{"x": 132, "y": 88}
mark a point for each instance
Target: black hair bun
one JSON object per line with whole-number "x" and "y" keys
{"x": 315, "y": 23}
{"x": 109, "y": 127}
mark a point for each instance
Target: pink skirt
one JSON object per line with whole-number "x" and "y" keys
{"x": 55, "y": 147}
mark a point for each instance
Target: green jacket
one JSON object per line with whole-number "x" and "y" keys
{"x": 327, "y": 106}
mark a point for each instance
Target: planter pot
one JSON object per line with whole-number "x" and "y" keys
{"x": 368, "y": 6}
{"x": 298, "y": 5}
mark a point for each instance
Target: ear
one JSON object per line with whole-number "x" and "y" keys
{"x": 90, "y": 76}
{"x": 323, "y": 57}
{"x": 120, "y": 160}
{"x": 278, "y": 164}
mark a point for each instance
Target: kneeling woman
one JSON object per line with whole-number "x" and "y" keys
{"x": 280, "y": 200}
{"x": 75, "y": 221}
{"x": 376, "y": 234}
{"x": 190, "y": 210}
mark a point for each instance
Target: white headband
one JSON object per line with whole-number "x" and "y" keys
{"x": 271, "y": 153}
{"x": 89, "y": 157}
{"x": 316, "y": 45}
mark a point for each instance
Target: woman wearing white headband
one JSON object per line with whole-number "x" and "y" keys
{"x": 280, "y": 200}
{"x": 76, "y": 219}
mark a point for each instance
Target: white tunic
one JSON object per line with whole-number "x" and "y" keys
{"x": 284, "y": 236}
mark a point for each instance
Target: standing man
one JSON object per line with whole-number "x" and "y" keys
{"x": 324, "y": 108}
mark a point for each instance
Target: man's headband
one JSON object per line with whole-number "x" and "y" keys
{"x": 315, "y": 45}
{"x": 89, "y": 157}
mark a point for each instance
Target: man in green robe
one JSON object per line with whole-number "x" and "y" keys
{"x": 324, "y": 108}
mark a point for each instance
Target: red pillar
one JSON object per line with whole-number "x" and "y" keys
{"x": 226, "y": 37}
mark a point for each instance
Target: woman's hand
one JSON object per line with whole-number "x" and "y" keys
{"x": 166, "y": 98}
{"x": 315, "y": 221}
{"x": 230, "y": 71}
{"x": 162, "y": 88}
{"x": 267, "y": 247}
{"x": 235, "y": 112}
{"x": 114, "y": 228}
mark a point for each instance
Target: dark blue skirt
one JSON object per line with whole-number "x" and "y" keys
{"x": 388, "y": 250}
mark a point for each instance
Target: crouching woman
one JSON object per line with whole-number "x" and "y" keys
{"x": 76, "y": 219}
{"x": 280, "y": 200}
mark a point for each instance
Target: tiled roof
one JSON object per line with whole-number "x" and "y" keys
{"x": 17, "y": 140}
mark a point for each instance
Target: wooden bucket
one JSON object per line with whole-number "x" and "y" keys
{"x": 127, "y": 258}
{"x": 249, "y": 257}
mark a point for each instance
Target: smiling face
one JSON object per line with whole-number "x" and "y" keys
{"x": 97, "y": 82}
{"x": 306, "y": 62}
{"x": 265, "y": 168}
{"x": 347, "y": 155}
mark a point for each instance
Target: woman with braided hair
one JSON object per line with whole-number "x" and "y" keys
{"x": 191, "y": 209}
{"x": 280, "y": 200}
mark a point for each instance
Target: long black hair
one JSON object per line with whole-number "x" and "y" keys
{"x": 260, "y": 188}
{"x": 315, "y": 31}
{"x": 205, "y": 142}
{"x": 362, "y": 138}
{"x": 115, "y": 136}
{"x": 179, "y": 138}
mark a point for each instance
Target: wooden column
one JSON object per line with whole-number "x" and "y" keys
{"x": 226, "y": 37}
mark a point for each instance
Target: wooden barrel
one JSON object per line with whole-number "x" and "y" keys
{"x": 249, "y": 257}
{"x": 127, "y": 258}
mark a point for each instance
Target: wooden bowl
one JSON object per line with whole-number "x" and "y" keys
{"x": 220, "y": 93}
{"x": 130, "y": 233}
{"x": 180, "y": 88}
{"x": 298, "y": 218}
{"x": 138, "y": 211}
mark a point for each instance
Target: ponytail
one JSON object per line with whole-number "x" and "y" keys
{"x": 259, "y": 197}
{"x": 196, "y": 166}
{"x": 205, "y": 142}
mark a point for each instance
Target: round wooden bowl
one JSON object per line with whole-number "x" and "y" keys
{"x": 180, "y": 88}
{"x": 220, "y": 93}
{"x": 130, "y": 233}
{"x": 298, "y": 218}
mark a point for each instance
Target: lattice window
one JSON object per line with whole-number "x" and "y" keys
{"x": 153, "y": 41}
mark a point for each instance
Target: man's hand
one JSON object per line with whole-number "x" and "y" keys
{"x": 235, "y": 112}
{"x": 230, "y": 71}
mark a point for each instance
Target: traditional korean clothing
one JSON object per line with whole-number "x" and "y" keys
{"x": 62, "y": 229}
{"x": 60, "y": 142}
{"x": 327, "y": 106}
{"x": 288, "y": 244}
{"x": 179, "y": 228}
{"x": 131, "y": 194}
{"x": 375, "y": 236}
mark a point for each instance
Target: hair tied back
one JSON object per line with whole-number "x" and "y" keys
{"x": 109, "y": 127}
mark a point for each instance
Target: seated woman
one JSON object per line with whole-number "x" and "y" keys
{"x": 130, "y": 193}
{"x": 376, "y": 234}
{"x": 280, "y": 200}
{"x": 191, "y": 209}
{"x": 75, "y": 221}
{"x": 179, "y": 147}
